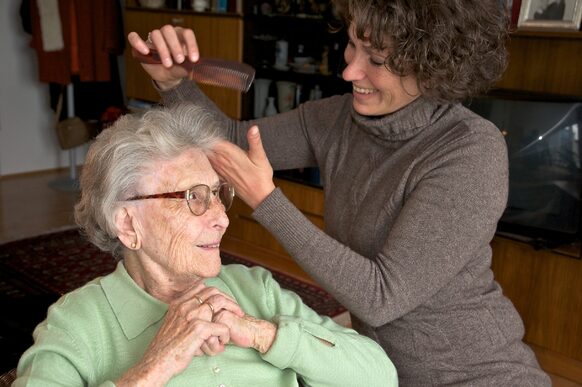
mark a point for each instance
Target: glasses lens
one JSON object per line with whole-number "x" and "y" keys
{"x": 226, "y": 195}
{"x": 199, "y": 199}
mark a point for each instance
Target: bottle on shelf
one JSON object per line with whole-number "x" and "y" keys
{"x": 270, "y": 110}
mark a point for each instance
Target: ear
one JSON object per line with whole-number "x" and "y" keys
{"x": 126, "y": 228}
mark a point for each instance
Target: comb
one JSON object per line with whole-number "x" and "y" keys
{"x": 211, "y": 71}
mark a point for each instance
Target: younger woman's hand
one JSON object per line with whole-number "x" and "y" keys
{"x": 250, "y": 173}
{"x": 174, "y": 45}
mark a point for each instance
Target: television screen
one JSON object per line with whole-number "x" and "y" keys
{"x": 543, "y": 141}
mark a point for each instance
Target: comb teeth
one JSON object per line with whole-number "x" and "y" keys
{"x": 222, "y": 73}
{"x": 212, "y": 71}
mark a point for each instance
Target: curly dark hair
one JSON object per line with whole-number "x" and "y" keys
{"x": 454, "y": 48}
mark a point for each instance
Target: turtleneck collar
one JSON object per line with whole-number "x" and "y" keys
{"x": 402, "y": 124}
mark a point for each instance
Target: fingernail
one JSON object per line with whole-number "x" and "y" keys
{"x": 180, "y": 58}
{"x": 254, "y": 131}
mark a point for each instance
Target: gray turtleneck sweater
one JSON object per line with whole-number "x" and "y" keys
{"x": 412, "y": 200}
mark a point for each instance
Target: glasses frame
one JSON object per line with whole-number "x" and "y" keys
{"x": 187, "y": 195}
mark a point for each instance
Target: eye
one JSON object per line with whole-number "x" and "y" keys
{"x": 378, "y": 62}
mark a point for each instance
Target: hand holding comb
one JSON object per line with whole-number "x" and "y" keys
{"x": 210, "y": 71}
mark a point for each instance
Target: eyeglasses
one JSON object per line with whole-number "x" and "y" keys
{"x": 198, "y": 197}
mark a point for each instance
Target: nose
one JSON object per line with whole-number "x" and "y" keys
{"x": 217, "y": 213}
{"x": 354, "y": 70}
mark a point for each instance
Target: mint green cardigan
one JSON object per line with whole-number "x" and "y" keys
{"x": 94, "y": 334}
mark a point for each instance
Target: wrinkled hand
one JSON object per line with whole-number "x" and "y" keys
{"x": 250, "y": 173}
{"x": 174, "y": 46}
{"x": 248, "y": 331}
{"x": 188, "y": 330}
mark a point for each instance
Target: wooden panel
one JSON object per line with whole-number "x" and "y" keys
{"x": 546, "y": 289}
{"x": 218, "y": 36}
{"x": 242, "y": 226}
{"x": 545, "y": 64}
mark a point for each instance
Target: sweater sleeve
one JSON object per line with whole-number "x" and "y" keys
{"x": 451, "y": 207}
{"x": 320, "y": 351}
{"x": 56, "y": 359}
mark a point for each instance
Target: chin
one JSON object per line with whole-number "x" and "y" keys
{"x": 368, "y": 111}
{"x": 212, "y": 267}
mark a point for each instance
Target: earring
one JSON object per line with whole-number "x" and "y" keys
{"x": 133, "y": 245}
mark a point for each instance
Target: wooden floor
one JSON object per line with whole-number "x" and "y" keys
{"x": 41, "y": 202}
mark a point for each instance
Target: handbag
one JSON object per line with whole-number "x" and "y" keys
{"x": 72, "y": 131}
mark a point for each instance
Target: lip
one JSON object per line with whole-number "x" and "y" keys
{"x": 209, "y": 246}
{"x": 363, "y": 90}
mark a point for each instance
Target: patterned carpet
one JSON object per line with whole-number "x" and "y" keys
{"x": 57, "y": 263}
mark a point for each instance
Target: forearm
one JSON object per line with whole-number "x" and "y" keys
{"x": 329, "y": 357}
{"x": 145, "y": 373}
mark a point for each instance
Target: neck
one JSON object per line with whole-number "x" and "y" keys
{"x": 155, "y": 279}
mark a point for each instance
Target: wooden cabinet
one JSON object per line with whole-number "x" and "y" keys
{"x": 544, "y": 62}
{"x": 218, "y": 35}
{"x": 545, "y": 287}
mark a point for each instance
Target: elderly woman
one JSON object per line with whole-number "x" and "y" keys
{"x": 170, "y": 314}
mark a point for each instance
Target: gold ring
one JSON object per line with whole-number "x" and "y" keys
{"x": 210, "y": 306}
{"x": 199, "y": 300}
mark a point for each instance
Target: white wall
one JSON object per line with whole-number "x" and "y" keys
{"x": 28, "y": 139}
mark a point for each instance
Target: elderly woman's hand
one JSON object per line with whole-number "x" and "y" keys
{"x": 174, "y": 46}
{"x": 188, "y": 330}
{"x": 248, "y": 331}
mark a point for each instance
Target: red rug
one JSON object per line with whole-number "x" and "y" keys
{"x": 60, "y": 262}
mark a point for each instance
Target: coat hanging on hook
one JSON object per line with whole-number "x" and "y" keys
{"x": 91, "y": 33}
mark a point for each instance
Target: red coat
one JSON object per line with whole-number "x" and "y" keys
{"x": 98, "y": 35}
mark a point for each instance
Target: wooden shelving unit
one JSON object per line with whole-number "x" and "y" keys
{"x": 218, "y": 34}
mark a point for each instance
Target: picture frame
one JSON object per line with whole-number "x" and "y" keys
{"x": 550, "y": 14}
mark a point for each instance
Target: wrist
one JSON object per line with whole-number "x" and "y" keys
{"x": 167, "y": 85}
{"x": 265, "y": 336}
{"x": 144, "y": 373}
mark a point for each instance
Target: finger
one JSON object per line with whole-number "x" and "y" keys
{"x": 213, "y": 346}
{"x": 227, "y": 158}
{"x": 209, "y": 291}
{"x": 205, "y": 348}
{"x": 256, "y": 151}
{"x": 205, "y": 330}
{"x": 161, "y": 47}
{"x": 191, "y": 43}
{"x": 220, "y": 300}
{"x": 170, "y": 35}
{"x": 137, "y": 43}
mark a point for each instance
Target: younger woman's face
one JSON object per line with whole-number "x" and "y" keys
{"x": 376, "y": 90}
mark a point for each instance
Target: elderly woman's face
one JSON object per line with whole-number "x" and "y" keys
{"x": 376, "y": 90}
{"x": 172, "y": 238}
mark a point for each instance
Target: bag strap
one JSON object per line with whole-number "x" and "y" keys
{"x": 59, "y": 107}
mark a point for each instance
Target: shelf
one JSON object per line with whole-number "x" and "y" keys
{"x": 546, "y": 34}
{"x": 184, "y": 11}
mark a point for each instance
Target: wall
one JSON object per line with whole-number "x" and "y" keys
{"x": 28, "y": 139}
